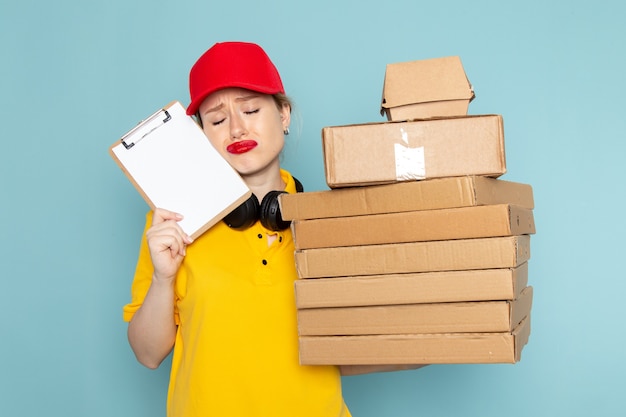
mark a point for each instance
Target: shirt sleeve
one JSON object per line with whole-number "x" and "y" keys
{"x": 143, "y": 277}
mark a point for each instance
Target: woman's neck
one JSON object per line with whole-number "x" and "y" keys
{"x": 263, "y": 184}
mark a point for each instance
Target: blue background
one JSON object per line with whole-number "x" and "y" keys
{"x": 76, "y": 75}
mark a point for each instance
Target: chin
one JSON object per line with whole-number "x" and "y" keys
{"x": 245, "y": 169}
{"x": 249, "y": 165}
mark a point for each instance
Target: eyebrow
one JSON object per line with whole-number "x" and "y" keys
{"x": 238, "y": 99}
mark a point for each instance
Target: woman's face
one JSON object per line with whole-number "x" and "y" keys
{"x": 246, "y": 128}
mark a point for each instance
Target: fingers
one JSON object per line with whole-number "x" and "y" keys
{"x": 167, "y": 242}
{"x": 167, "y": 222}
{"x": 167, "y": 236}
{"x": 161, "y": 215}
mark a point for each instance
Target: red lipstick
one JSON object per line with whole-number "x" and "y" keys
{"x": 241, "y": 146}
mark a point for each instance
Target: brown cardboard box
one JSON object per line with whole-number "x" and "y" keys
{"x": 378, "y": 153}
{"x": 447, "y": 317}
{"x": 431, "y": 194}
{"x": 414, "y": 226}
{"x": 433, "y": 348}
{"x": 443, "y": 255}
{"x": 409, "y": 288}
{"x": 426, "y": 88}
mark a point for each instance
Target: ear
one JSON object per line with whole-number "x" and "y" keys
{"x": 285, "y": 115}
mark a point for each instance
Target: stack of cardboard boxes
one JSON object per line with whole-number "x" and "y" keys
{"x": 419, "y": 253}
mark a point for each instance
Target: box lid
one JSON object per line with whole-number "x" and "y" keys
{"x": 425, "y": 81}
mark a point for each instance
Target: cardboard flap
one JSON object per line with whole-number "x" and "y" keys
{"x": 492, "y": 191}
{"x": 520, "y": 308}
{"x": 520, "y": 279}
{"x": 521, "y": 335}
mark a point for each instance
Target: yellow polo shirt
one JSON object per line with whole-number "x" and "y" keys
{"x": 236, "y": 349}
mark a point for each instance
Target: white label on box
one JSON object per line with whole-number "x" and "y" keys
{"x": 410, "y": 163}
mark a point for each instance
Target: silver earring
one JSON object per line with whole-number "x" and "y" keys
{"x": 286, "y": 131}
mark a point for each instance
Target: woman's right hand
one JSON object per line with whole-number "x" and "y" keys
{"x": 167, "y": 243}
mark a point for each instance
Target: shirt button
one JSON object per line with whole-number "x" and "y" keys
{"x": 260, "y": 236}
{"x": 264, "y": 261}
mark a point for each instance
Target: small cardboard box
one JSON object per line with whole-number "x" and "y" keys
{"x": 395, "y": 258}
{"x": 412, "y": 288}
{"x": 446, "y": 317}
{"x": 413, "y": 349}
{"x": 388, "y": 152}
{"x": 431, "y": 194}
{"x": 426, "y": 88}
{"x": 414, "y": 226}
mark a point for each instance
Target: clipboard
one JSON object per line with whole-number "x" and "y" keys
{"x": 173, "y": 165}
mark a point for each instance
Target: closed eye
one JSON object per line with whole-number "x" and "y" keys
{"x": 218, "y": 122}
{"x": 251, "y": 112}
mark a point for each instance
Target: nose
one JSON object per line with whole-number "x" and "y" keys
{"x": 237, "y": 126}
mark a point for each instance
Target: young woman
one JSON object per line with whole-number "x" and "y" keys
{"x": 225, "y": 302}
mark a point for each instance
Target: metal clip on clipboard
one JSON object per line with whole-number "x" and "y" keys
{"x": 145, "y": 127}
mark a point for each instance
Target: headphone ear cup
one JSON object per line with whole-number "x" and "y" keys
{"x": 245, "y": 215}
{"x": 269, "y": 213}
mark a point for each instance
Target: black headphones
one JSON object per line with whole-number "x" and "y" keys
{"x": 268, "y": 212}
